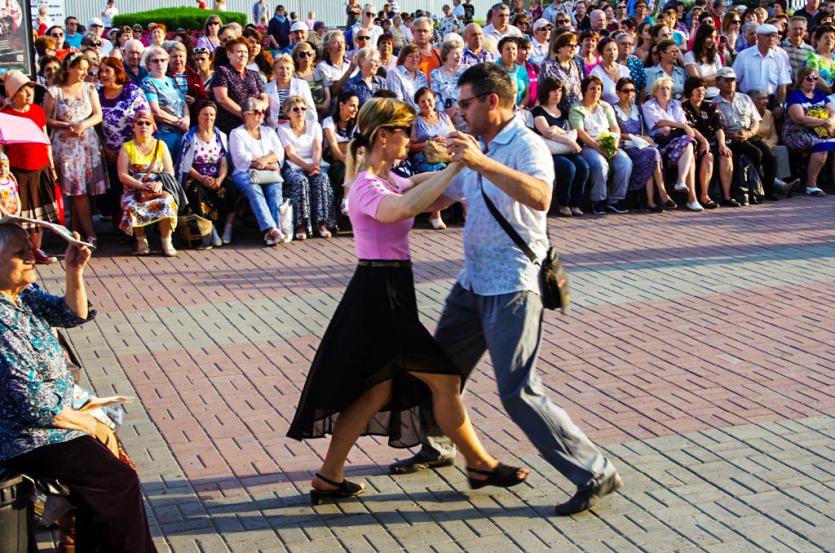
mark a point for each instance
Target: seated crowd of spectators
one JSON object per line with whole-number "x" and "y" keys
{"x": 631, "y": 101}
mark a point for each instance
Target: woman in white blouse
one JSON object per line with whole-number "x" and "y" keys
{"x": 284, "y": 85}
{"x": 257, "y": 155}
{"x": 703, "y": 60}
{"x": 667, "y": 124}
{"x": 306, "y": 185}
{"x": 609, "y": 71}
{"x": 334, "y": 69}
{"x": 593, "y": 117}
{"x": 338, "y": 130}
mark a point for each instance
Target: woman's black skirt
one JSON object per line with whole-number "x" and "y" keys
{"x": 375, "y": 335}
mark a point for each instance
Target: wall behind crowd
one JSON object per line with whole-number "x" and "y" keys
{"x": 331, "y": 12}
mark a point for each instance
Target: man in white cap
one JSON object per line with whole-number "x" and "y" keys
{"x": 765, "y": 67}
{"x": 741, "y": 121}
{"x": 298, "y": 33}
{"x": 539, "y": 41}
{"x": 96, "y": 27}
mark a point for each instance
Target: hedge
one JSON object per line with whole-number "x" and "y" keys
{"x": 175, "y": 18}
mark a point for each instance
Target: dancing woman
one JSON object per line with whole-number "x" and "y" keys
{"x": 377, "y": 362}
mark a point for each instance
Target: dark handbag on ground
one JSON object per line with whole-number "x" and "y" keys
{"x": 172, "y": 186}
{"x": 553, "y": 279}
{"x": 747, "y": 185}
{"x": 195, "y": 231}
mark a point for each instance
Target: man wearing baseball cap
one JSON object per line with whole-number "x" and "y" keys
{"x": 298, "y": 33}
{"x": 741, "y": 121}
{"x": 95, "y": 27}
{"x": 539, "y": 41}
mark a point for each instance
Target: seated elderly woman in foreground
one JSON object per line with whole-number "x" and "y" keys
{"x": 40, "y": 433}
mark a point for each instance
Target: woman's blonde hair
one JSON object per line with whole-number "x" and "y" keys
{"x": 661, "y": 81}
{"x": 286, "y": 58}
{"x": 375, "y": 114}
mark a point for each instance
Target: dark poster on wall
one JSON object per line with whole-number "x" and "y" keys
{"x": 16, "y": 47}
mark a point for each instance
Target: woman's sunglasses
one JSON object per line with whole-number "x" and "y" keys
{"x": 298, "y": 109}
{"x": 305, "y": 54}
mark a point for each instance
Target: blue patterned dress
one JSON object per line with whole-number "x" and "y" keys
{"x": 644, "y": 160}
{"x": 35, "y": 383}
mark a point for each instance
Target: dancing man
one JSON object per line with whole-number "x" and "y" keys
{"x": 496, "y": 305}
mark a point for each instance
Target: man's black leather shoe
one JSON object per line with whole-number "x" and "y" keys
{"x": 588, "y": 496}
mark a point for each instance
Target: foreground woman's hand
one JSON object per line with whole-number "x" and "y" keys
{"x": 76, "y": 257}
{"x": 70, "y": 419}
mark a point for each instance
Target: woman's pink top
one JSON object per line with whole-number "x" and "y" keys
{"x": 373, "y": 239}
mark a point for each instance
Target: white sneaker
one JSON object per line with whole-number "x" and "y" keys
{"x": 814, "y": 191}
{"x": 216, "y": 241}
{"x": 680, "y": 187}
{"x": 227, "y": 233}
{"x": 343, "y": 206}
{"x": 438, "y": 224}
{"x": 695, "y": 206}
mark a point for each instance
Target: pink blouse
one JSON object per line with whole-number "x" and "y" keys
{"x": 373, "y": 239}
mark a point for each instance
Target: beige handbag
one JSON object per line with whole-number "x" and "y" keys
{"x": 436, "y": 152}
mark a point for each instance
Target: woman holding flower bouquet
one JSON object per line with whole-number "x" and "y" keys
{"x": 598, "y": 131}
{"x": 810, "y": 125}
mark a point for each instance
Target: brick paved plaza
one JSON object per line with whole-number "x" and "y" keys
{"x": 699, "y": 354}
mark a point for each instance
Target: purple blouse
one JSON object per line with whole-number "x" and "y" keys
{"x": 238, "y": 89}
{"x": 118, "y": 113}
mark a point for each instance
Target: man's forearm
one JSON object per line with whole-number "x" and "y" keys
{"x": 523, "y": 188}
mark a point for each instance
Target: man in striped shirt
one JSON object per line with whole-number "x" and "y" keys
{"x": 794, "y": 45}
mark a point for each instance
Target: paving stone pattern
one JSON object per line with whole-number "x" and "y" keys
{"x": 699, "y": 354}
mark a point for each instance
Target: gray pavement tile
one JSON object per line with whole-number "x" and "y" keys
{"x": 745, "y": 487}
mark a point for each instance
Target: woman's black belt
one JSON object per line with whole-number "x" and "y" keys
{"x": 384, "y": 263}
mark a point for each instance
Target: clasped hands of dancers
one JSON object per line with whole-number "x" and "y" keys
{"x": 378, "y": 370}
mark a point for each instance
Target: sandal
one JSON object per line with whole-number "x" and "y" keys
{"x": 502, "y": 476}
{"x": 344, "y": 489}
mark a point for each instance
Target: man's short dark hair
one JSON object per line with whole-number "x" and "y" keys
{"x": 489, "y": 78}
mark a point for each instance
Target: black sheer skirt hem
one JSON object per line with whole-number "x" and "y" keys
{"x": 375, "y": 335}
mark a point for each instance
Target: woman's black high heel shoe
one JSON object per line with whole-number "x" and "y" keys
{"x": 502, "y": 476}
{"x": 344, "y": 490}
